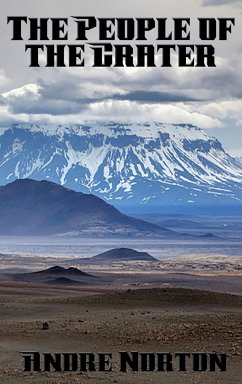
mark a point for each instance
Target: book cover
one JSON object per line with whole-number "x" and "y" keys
{"x": 120, "y": 191}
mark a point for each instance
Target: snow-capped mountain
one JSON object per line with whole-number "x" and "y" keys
{"x": 130, "y": 165}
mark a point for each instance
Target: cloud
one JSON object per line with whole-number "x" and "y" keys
{"x": 200, "y": 96}
{"x": 229, "y": 109}
{"x": 35, "y": 99}
{"x": 117, "y": 110}
{"x": 72, "y": 91}
{"x": 153, "y": 96}
{"x": 58, "y": 102}
{"x": 221, "y": 2}
{"x": 167, "y": 113}
{"x": 232, "y": 4}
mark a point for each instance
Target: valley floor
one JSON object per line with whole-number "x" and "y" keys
{"x": 108, "y": 320}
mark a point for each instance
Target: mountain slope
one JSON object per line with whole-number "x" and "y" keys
{"x": 29, "y": 207}
{"x": 138, "y": 165}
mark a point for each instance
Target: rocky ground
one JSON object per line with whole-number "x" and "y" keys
{"x": 82, "y": 320}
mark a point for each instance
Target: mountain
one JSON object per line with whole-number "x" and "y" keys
{"x": 29, "y": 207}
{"x": 122, "y": 254}
{"x": 137, "y": 167}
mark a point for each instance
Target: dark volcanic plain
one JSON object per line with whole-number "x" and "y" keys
{"x": 101, "y": 318}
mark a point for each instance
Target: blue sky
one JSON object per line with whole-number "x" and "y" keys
{"x": 208, "y": 97}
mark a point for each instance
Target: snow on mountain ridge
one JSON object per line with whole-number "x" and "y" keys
{"x": 121, "y": 129}
{"x": 136, "y": 163}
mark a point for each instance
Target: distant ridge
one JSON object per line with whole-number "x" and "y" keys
{"x": 30, "y": 207}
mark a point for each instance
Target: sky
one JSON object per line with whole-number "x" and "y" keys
{"x": 207, "y": 97}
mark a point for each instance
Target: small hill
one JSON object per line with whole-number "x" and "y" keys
{"x": 57, "y": 275}
{"x": 30, "y": 207}
{"x": 60, "y": 271}
{"x": 122, "y": 254}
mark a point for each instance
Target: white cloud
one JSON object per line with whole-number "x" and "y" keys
{"x": 96, "y": 94}
{"x": 229, "y": 109}
{"x": 133, "y": 111}
{"x": 119, "y": 111}
{"x": 27, "y": 92}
